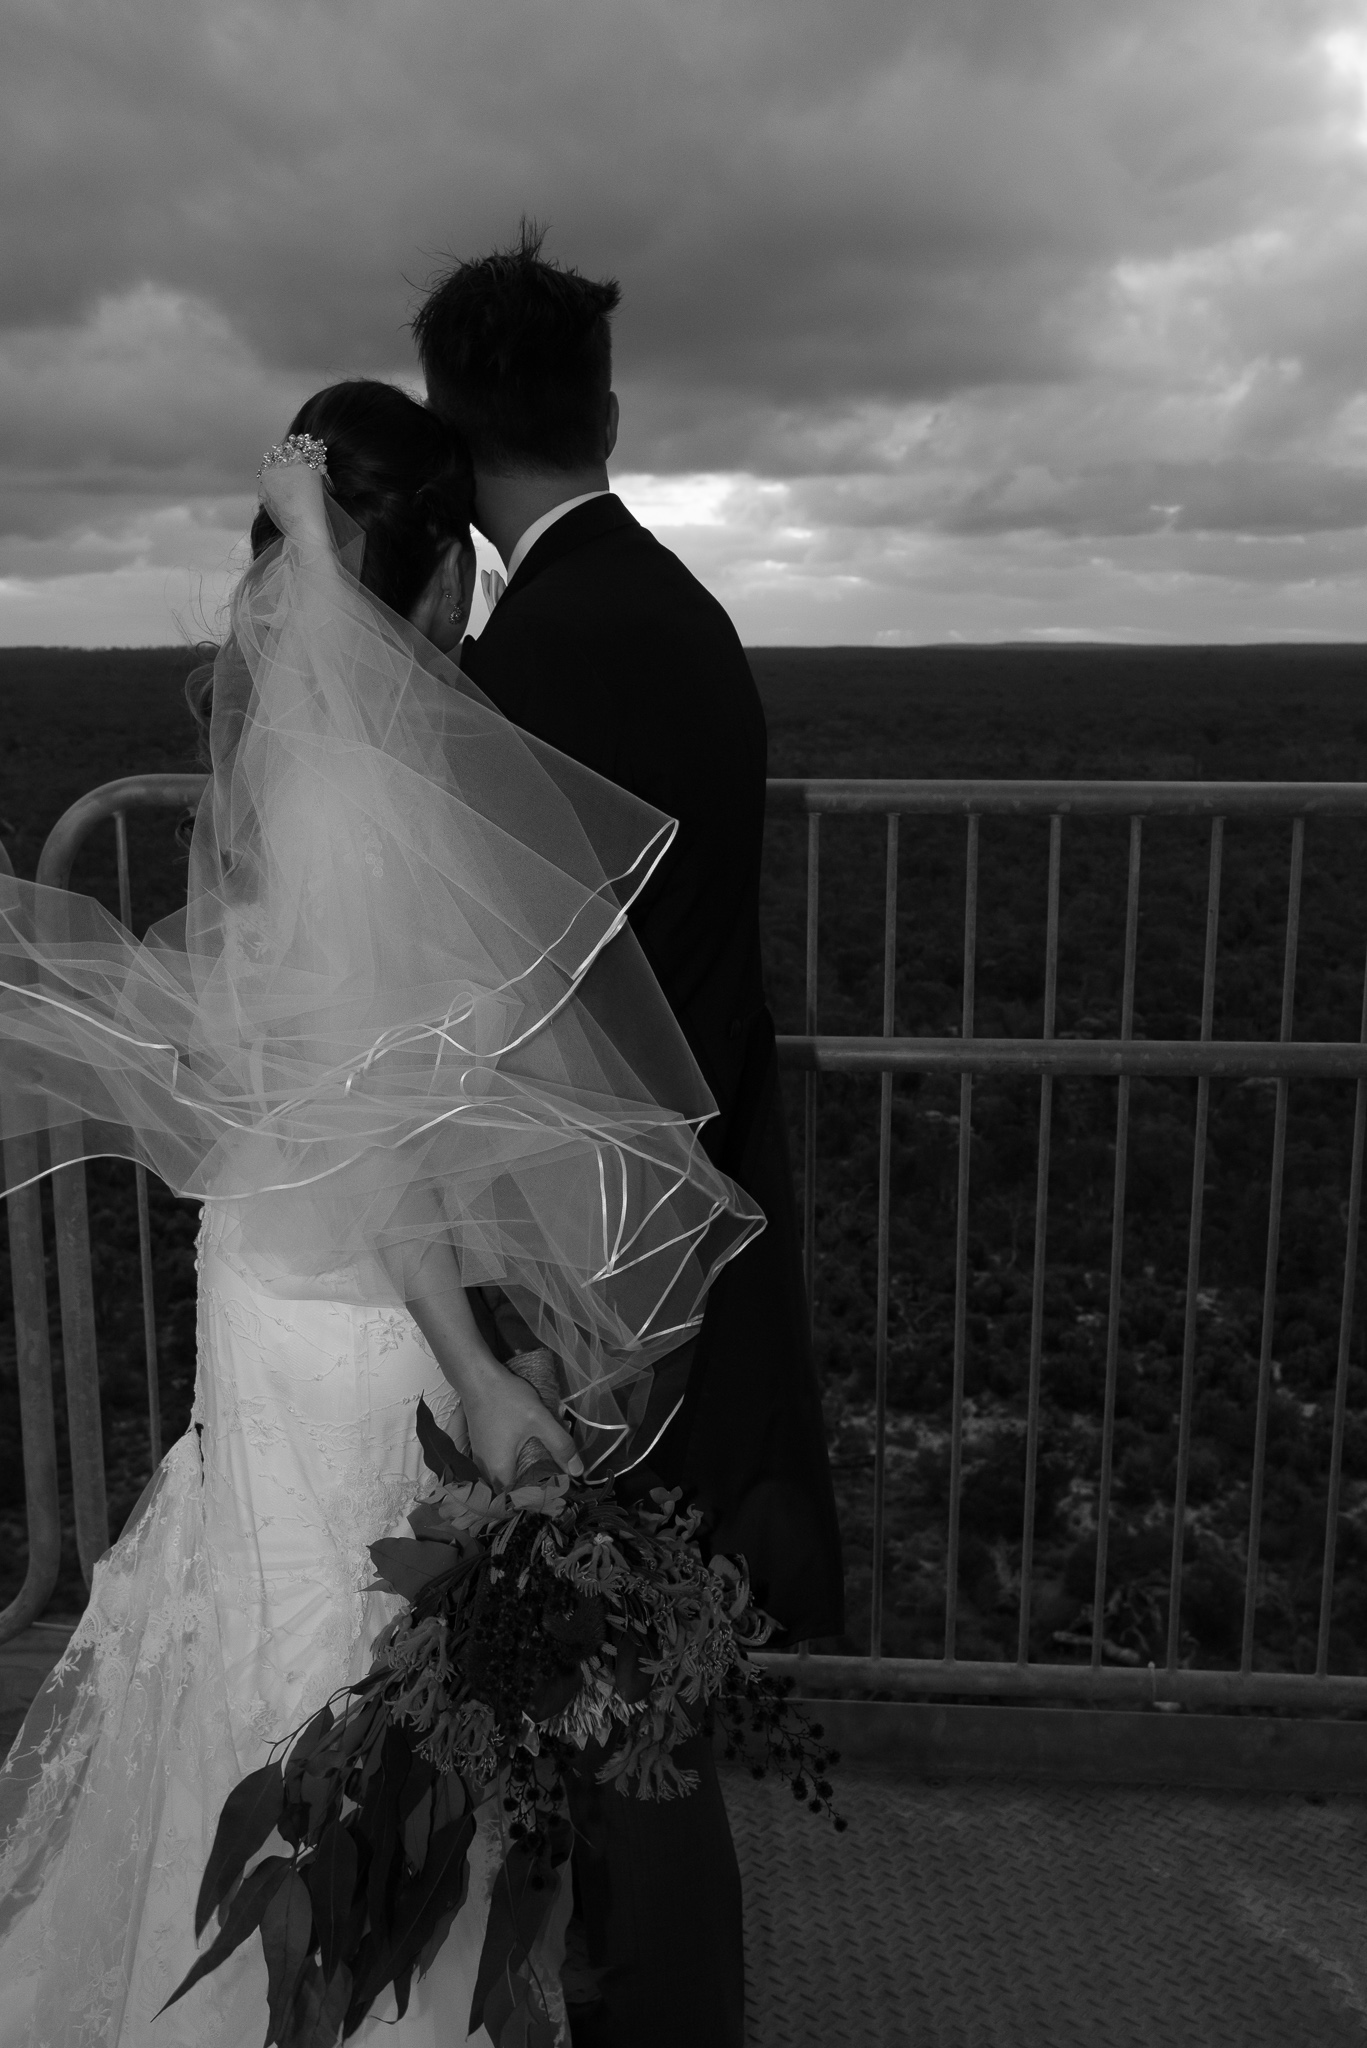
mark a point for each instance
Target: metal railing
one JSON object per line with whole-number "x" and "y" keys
{"x": 887, "y": 1055}
{"x": 71, "y": 1231}
{"x": 967, "y": 1056}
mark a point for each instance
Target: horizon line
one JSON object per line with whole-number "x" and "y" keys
{"x": 1042, "y": 644}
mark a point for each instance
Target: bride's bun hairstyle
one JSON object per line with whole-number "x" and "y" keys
{"x": 518, "y": 358}
{"x": 401, "y": 473}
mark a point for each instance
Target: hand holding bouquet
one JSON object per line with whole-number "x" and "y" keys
{"x": 554, "y": 1628}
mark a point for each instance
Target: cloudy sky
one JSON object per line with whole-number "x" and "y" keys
{"x": 978, "y": 319}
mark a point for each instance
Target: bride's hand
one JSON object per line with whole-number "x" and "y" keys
{"x": 501, "y": 1413}
{"x": 295, "y": 497}
{"x": 501, "y": 1410}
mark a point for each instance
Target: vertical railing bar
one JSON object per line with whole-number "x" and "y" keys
{"x": 1350, "y": 1260}
{"x": 1122, "y": 1141}
{"x": 880, "y": 1396}
{"x": 1198, "y": 1197}
{"x": 1046, "y": 1115}
{"x": 125, "y": 884}
{"x": 1274, "y": 1229}
{"x": 810, "y": 1079}
{"x": 149, "y": 1314}
{"x": 149, "y": 1310}
{"x": 80, "y": 1351}
{"x": 956, "y": 1441}
{"x": 22, "y": 1158}
{"x": 80, "y": 1348}
{"x": 33, "y": 1371}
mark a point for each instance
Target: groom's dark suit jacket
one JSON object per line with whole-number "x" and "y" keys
{"x": 604, "y": 645}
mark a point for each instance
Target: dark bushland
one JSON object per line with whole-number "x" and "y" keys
{"x": 69, "y": 721}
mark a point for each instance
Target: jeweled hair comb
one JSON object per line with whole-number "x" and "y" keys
{"x": 296, "y": 448}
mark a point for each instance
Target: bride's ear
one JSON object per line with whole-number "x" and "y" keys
{"x": 442, "y": 613}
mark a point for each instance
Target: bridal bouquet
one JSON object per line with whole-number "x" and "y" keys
{"x": 554, "y": 1628}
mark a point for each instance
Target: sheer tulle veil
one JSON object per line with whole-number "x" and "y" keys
{"x": 403, "y": 1001}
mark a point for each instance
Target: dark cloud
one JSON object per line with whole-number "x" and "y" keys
{"x": 964, "y": 268}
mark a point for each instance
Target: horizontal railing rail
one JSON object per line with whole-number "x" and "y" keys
{"x": 1173, "y": 1058}
{"x": 965, "y": 1056}
{"x": 814, "y": 797}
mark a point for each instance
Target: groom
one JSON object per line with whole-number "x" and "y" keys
{"x": 605, "y": 646}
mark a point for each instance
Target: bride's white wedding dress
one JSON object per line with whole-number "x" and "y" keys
{"x": 402, "y": 1006}
{"x": 234, "y": 1604}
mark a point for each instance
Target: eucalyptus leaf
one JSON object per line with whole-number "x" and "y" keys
{"x": 355, "y": 1728}
{"x": 362, "y": 1961}
{"x": 415, "y": 1810}
{"x": 515, "y": 2014}
{"x": 286, "y": 1937}
{"x": 403, "y": 1984}
{"x": 438, "y": 1890}
{"x": 408, "y": 1566}
{"x": 417, "y": 1828}
{"x": 450, "y": 1801}
{"x": 301, "y": 2021}
{"x": 332, "y": 2012}
{"x": 244, "y": 1917}
{"x": 319, "y": 1791}
{"x": 440, "y": 1452}
{"x": 250, "y": 1812}
{"x": 225, "y": 1903}
{"x": 436, "y": 1940}
{"x": 331, "y": 1875}
{"x": 427, "y": 1520}
{"x": 313, "y": 1736}
{"x": 380, "y": 1826}
{"x": 523, "y": 1893}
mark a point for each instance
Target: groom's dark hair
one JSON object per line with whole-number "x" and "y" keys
{"x": 518, "y": 357}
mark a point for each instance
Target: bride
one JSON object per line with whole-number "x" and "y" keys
{"x": 403, "y": 1046}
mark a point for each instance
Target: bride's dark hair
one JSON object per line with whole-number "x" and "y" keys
{"x": 400, "y": 472}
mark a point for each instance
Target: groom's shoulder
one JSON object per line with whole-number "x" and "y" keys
{"x": 604, "y": 559}
{"x": 646, "y": 587}
{"x": 605, "y": 604}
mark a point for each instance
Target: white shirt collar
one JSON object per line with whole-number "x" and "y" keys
{"x": 527, "y": 541}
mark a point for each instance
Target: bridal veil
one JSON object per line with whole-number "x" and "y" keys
{"x": 403, "y": 1001}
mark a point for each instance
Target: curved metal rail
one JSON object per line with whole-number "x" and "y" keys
{"x": 80, "y": 1356}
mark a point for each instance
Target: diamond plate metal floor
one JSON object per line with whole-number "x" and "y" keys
{"x": 989, "y": 1915}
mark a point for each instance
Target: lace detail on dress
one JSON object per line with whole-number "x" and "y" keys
{"x": 234, "y": 1604}
{"x": 125, "y": 1756}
